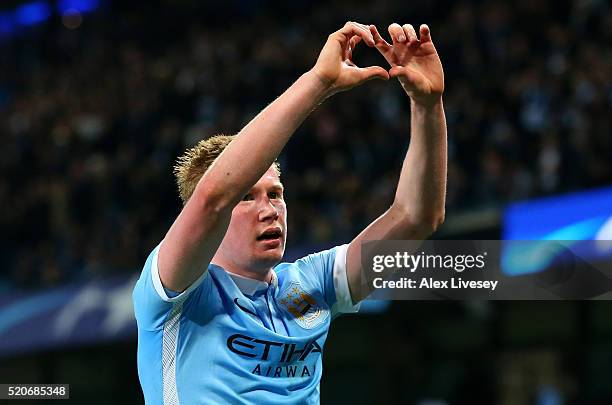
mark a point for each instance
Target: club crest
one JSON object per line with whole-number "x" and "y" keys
{"x": 302, "y": 306}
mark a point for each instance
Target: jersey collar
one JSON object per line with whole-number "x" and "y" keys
{"x": 249, "y": 286}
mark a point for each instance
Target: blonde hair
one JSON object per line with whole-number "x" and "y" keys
{"x": 191, "y": 166}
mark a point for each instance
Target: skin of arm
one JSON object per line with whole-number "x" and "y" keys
{"x": 195, "y": 235}
{"x": 418, "y": 207}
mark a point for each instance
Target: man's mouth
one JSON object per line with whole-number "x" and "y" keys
{"x": 270, "y": 234}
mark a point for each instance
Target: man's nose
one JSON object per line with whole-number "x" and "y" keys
{"x": 267, "y": 211}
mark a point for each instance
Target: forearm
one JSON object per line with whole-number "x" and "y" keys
{"x": 418, "y": 207}
{"x": 421, "y": 191}
{"x": 260, "y": 142}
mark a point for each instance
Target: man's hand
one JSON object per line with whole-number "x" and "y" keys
{"x": 335, "y": 67}
{"x": 413, "y": 61}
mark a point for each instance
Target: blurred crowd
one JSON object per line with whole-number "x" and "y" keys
{"x": 94, "y": 114}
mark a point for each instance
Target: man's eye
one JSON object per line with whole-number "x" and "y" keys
{"x": 274, "y": 195}
{"x": 248, "y": 197}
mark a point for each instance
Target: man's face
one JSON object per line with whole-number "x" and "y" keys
{"x": 257, "y": 232}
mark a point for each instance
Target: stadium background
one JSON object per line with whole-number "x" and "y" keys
{"x": 98, "y": 97}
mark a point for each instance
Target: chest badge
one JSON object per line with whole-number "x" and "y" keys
{"x": 302, "y": 306}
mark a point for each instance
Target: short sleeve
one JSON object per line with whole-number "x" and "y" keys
{"x": 152, "y": 302}
{"x": 328, "y": 271}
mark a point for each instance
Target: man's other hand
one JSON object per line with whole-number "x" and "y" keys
{"x": 414, "y": 61}
{"x": 335, "y": 67}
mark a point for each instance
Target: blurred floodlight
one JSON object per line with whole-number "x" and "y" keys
{"x": 82, "y": 6}
{"x": 575, "y": 216}
{"x": 32, "y": 13}
{"x": 7, "y": 24}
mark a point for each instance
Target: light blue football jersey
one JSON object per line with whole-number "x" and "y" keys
{"x": 229, "y": 339}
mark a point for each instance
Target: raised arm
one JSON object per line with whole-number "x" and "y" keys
{"x": 195, "y": 235}
{"x": 418, "y": 207}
